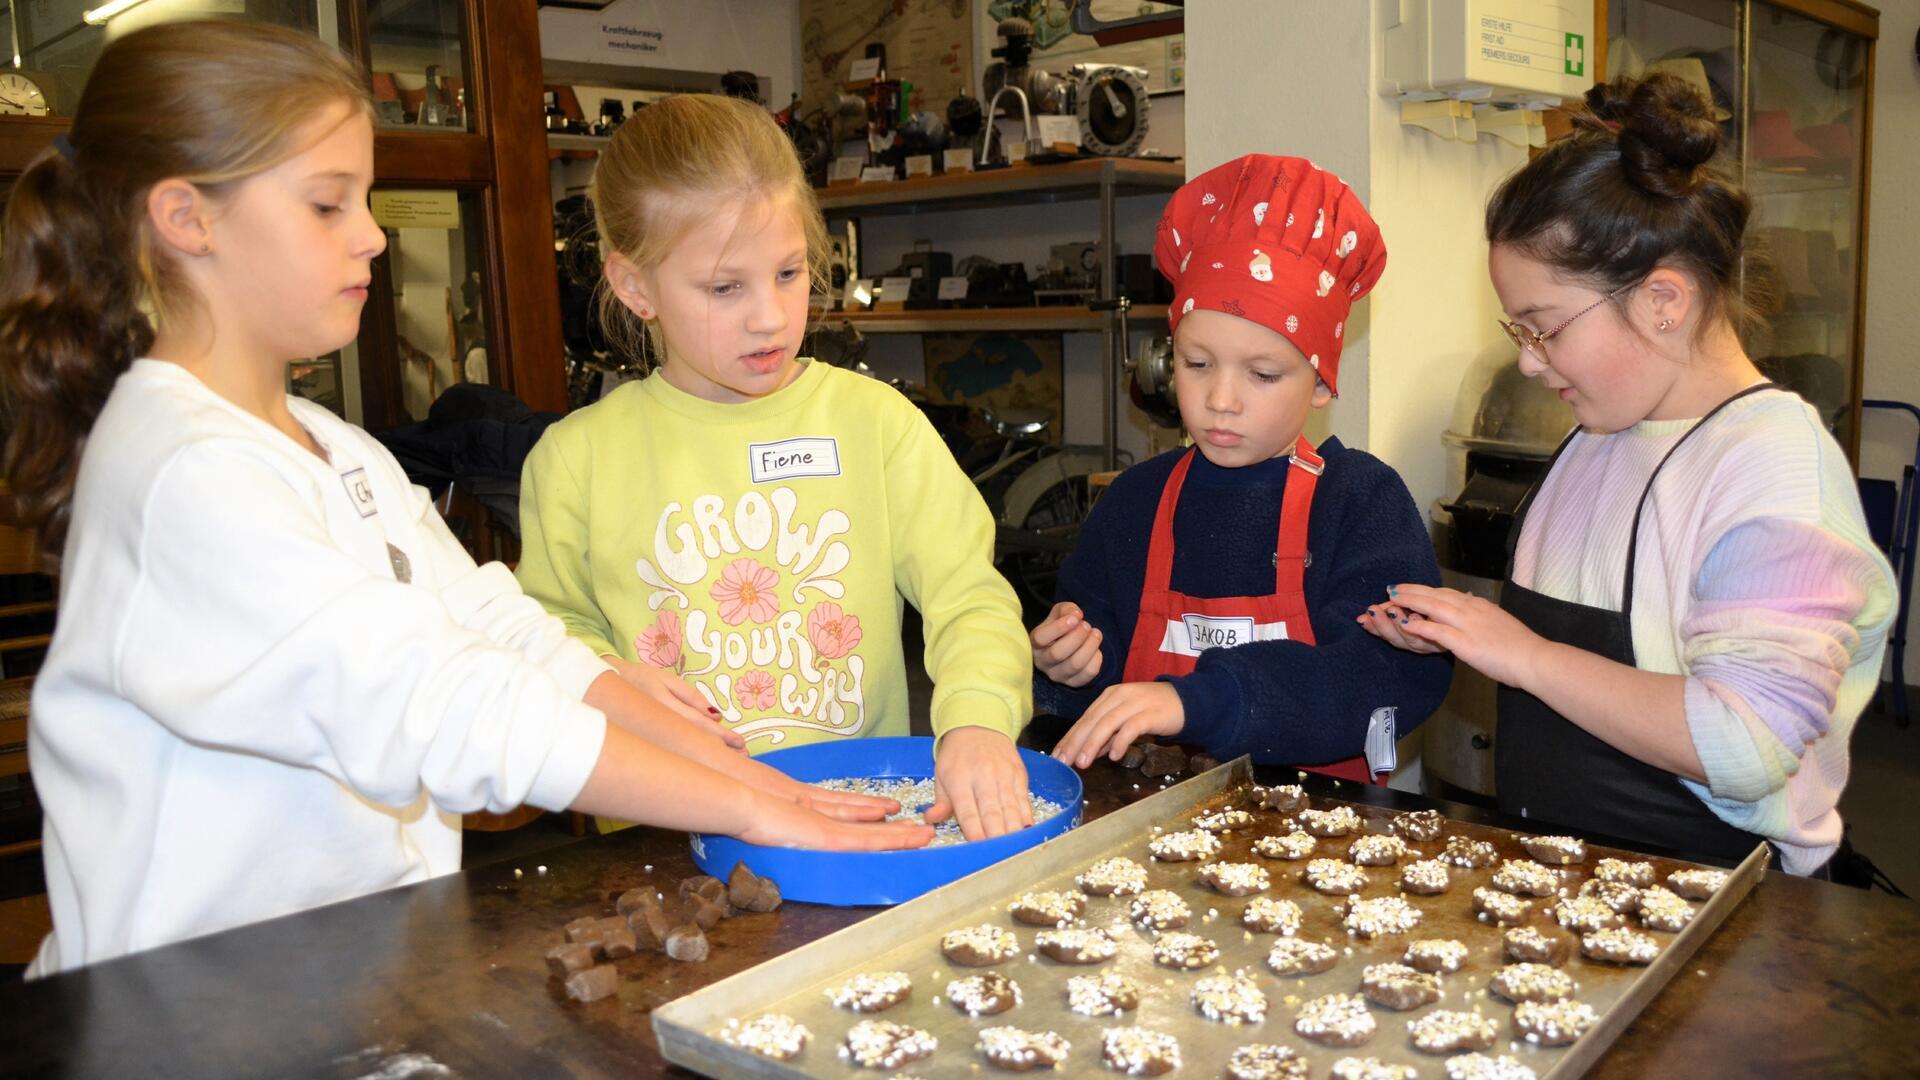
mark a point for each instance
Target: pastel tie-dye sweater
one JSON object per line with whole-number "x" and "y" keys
{"x": 1756, "y": 579}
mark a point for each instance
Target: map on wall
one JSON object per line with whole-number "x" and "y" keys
{"x": 998, "y": 371}
{"x": 1056, "y": 47}
{"x": 929, "y": 44}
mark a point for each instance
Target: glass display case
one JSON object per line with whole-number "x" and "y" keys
{"x": 55, "y": 42}
{"x": 1792, "y": 82}
{"x": 465, "y": 294}
{"x": 418, "y": 55}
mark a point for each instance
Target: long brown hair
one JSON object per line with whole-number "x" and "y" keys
{"x": 81, "y": 277}
{"x": 674, "y": 164}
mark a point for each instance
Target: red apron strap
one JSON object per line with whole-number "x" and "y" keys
{"x": 1159, "y": 577}
{"x": 1296, "y": 506}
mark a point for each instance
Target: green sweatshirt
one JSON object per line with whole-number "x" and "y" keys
{"x": 764, "y": 550}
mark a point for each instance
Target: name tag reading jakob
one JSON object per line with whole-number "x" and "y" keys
{"x": 789, "y": 459}
{"x": 1191, "y": 634}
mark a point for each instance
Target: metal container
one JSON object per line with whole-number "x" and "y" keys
{"x": 907, "y": 938}
{"x": 1504, "y": 430}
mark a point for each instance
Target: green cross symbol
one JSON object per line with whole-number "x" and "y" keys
{"x": 1576, "y": 60}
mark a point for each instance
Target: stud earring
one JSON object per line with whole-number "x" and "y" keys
{"x": 1666, "y": 324}
{"x": 206, "y": 249}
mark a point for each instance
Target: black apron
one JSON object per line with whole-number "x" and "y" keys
{"x": 1551, "y": 770}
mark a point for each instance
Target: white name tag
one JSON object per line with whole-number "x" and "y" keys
{"x": 791, "y": 458}
{"x": 360, "y": 491}
{"x": 1191, "y": 635}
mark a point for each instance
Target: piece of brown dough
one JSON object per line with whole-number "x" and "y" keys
{"x": 650, "y": 926}
{"x": 687, "y": 943}
{"x": 742, "y": 884}
{"x": 710, "y": 887}
{"x": 635, "y": 898}
{"x": 593, "y": 983}
{"x": 617, "y": 944}
{"x": 1168, "y": 761}
{"x": 765, "y": 898}
{"x": 702, "y": 912}
{"x": 569, "y": 959}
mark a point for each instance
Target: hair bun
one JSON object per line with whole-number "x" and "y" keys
{"x": 1665, "y": 127}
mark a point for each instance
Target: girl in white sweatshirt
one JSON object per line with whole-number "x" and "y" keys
{"x": 277, "y": 679}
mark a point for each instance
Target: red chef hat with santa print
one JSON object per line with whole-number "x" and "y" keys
{"x": 1276, "y": 240}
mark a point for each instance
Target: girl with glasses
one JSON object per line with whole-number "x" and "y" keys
{"x": 1694, "y": 614}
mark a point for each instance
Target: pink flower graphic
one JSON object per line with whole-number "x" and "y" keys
{"x": 659, "y": 644}
{"x": 754, "y": 691}
{"x": 746, "y": 592}
{"x": 834, "y": 633}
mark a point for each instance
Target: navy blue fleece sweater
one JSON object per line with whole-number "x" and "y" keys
{"x": 1284, "y": 702}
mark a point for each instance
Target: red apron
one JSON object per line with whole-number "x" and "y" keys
{"x": 1174, "y": 628}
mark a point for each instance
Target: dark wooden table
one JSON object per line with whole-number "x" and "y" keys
{"x": 448, "y": 976}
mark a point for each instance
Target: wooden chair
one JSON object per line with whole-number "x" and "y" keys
{"x": 19, "y": 555}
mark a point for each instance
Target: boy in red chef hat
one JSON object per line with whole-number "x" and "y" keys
{"x": 1212, "y": 597}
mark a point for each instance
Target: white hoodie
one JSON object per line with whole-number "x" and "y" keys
{"x": 276, "y": 681}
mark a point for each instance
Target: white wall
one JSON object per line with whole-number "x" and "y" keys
{"x": 1298, "y": 79}
{"x": 762, "y": 36}
{"x": 1893, "y": 256}
{"x": 1433, "y": 310}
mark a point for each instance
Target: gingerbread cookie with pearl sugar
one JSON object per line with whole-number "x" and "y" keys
{"x": 1269, "y": 915}
{"x": 883, "y": 1044}
{"x": 1230, "y": 999}
{"x": 1372, "y": 1068}
{"x": 1341, "y": 1020}
{"x": 1193, "y": 845}
{"x": 1102, "y": 995}
{"x": 980, "y": 946}
{"x": 1047, "y": 908}
{"x": 987, "y": 994}
{"x": 1075, "y": 945}
{"x": 1266, "y": 1061}
{"x": 1138, "y": 1051}
{"x": 872, "y": 992}
{"x": 1234, "y": 879}
{"x": 774, "y": 1035}
{"x": 1159, "y": 909}
{"x": 1019, "y": 1050}
{"x": 1118, "y": 876}
{"x": 1287, "y": 798}
{"x": 1291, "y": 847}
{"x": 1447, "y": 1031}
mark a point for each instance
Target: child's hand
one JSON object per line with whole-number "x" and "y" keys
{"x": 1118, "y": 717}
{"x": 1389, "y": 623}
{"x": 673, "y": 691}
{"x": 1066, "y": 648}
{"x": 778, "y": 822}
{"x": 1477, "y": 631}
{"x": 978, "y": 778}
{"x": 839, "y": 805}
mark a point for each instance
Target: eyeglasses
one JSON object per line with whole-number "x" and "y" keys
{"x": 1525, "y": 338}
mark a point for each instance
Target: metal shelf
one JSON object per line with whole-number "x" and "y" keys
{"x": 1101, "y": 180}
{"x": 560, "y": 141}
{"x": 1005, "y": 187}
{"x": 974, "y": 320}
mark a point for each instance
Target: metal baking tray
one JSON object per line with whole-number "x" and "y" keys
{"x": 906, "y": 938}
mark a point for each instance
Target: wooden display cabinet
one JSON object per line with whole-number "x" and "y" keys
{"x": 1794, "y": 79}
{"x": 488, "y": 150}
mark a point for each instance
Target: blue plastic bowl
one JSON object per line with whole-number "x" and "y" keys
{"x": 860, "y": 878}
